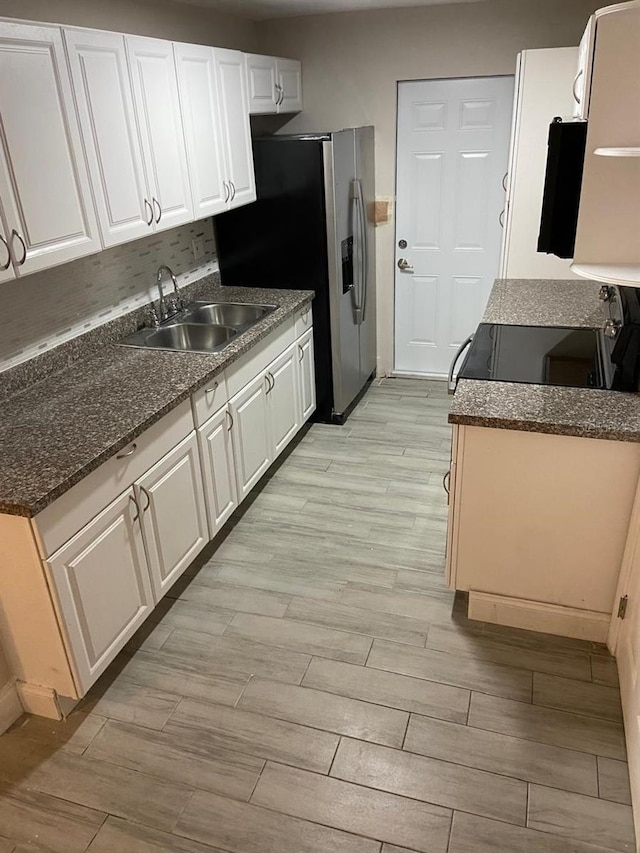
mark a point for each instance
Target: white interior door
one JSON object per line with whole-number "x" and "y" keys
{"x": 452, "y": 152}
{"x": 624, "y": 642}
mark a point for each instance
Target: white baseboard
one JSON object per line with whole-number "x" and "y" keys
{"x": 42, "y": 701}
{"x": 538, "y": 616}
{"x": 10, "y": 706}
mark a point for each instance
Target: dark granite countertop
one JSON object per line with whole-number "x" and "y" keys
{"x": 585, "y": 412}
{"x": 58, "y": 430}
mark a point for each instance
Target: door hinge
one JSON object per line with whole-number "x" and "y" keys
{"x": 622, "y": 606}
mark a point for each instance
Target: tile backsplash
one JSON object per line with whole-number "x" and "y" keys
{"x": 48, "y": 308}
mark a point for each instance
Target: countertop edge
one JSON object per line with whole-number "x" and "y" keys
{"x": 32, "y": 509}
{"x": 524, "y": 425}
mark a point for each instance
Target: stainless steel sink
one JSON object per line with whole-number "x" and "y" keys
{"x": 184, "y": 337}
{"x": 200, "y": 327}
{"x": 226, "y": 313}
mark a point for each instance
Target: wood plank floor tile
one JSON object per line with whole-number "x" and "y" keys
{"x": 448, "y": 638}
{"x": 322, "y": 710}
{"x": 473, "y": 834}
{"x": 411, "y": 604}
{"x": 246, "y": 828}
{"x": 374, "y": 814}
{"x": 594, "y": 700}
{"x": 604, "y": 670}
{"x": 581, "y": 818}
{"x": 305, "y": 638}
{"x": 613, "y": 780}
{"x": 344, "y": 617}
{"x": 437, "y": 782}
{"x": 234, "y": 657}
{"x": 216, "y": 593}
{"x": 509, "y": 756}
{"x": 545, "y": 725}
{"x": 121, "y": 836}
{"x": 288, "y": 578}
{"x": 388, "y": 688}
{"x": 457, "y": 670}
{"x": 182, "y": 757}
{"x": 256, "y": 735}
{"x": 130, "y": 702}
{"x": 161, "y": 670}
{"x": 45, "y": 822}
{"x": 73, "y": 734}
{"x": 193, "y": 616}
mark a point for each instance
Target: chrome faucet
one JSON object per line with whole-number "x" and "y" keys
{"x": 169, "y": 306}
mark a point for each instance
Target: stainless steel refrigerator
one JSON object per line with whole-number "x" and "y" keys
{"x": 311, "y": 228}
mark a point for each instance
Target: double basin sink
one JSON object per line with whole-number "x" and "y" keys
{"x": 200, "y": 327}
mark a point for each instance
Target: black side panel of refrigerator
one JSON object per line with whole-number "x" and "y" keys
{"x": 280, "y": 241}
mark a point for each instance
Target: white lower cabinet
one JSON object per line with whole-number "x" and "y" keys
{"x": 306, "y": 372}
{"x": 249, "y": 409}
{"x": 172, "y": 514}
{"x": 283, "y": 405}
{"x": 216, "y": 455}
{"x": 103, "y": 587}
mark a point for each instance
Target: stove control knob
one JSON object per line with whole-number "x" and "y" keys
{"x": 611, "y": 328}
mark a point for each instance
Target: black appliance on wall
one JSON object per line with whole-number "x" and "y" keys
{"x": 562, "y": 184}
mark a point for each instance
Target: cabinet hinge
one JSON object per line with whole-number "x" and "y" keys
{"x": 622, "y": 606}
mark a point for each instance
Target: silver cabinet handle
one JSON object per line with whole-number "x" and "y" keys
{"x": 271, "y": 382}
{"x": 15, "y": 234}
{"x": 504, "y": 181}
{"x": 233, "y": 190}
{"x": 229, "y": 420}
{"x": 147, "y": 496}
{"x": 404, "y": 265}
{"x": 575, "y": 83}
{"x": 446, "y": 481}
{"x": 301, "y": 349}
{"x": 157, "y": 204}
{"x": 135, "y": 503}
{"x": 501, "y": 219}
{"x": 148, "y": 207}
{"x": 130, "y": 452}
{"x": 6, "y": 245}
{"x": 213, "y": 389}
{"x": 227, "y": 191}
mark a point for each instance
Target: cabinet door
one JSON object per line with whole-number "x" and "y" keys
{"x": 44, "y": 184}
{"x": 261, "y": 84}
{"x": 284, "y": 406}
{"x": 582, "y": 81}
{"x": 234, "y": 113}
{"x": 102, "y": 87}
{"x": 307, "y": 376}
{"x": 101, "y": 581}
{"x": 155, "y": 89}
{"x": 216, "y": 454}
{"x": 289, "y": 78}
{"x": 172, "y": 507}
{"x": 250, "y": 434}
{"x": 195, "y": 65}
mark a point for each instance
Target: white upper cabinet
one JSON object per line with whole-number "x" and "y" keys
{"x": 155, "y": 91}
{"x": 44, "y": 185}
{"x": 234, "y": 117}
{"x": 274, "y": 85}
{"x": 582, "y": 80}
{"x": 100, "y": 76}
{"x": 289, "y": 79}
{"x": 195, "y": 65}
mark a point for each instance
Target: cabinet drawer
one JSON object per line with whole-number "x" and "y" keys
{"x": 304, "y": 320}
{"x": 64, "y": 517}
{"x": 252, "y": 363}
{"x": 207, "y": 400}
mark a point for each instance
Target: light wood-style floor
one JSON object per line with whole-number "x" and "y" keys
{"x": 314, "y": 688}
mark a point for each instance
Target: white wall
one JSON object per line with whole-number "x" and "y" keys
{"x": 353, "y": 61}
{"x": 160, "y": 18}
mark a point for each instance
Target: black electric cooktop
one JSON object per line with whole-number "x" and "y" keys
{"x": 544, "y": 355}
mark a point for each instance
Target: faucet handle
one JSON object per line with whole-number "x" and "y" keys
{"x": 152, "y": 317}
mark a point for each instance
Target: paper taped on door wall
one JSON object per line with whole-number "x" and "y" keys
{"x": 380, "y": 211}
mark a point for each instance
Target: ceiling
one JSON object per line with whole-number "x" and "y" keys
{"x": 261, "y": 10}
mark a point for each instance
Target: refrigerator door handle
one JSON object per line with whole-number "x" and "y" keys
{"x": 359, "y": 292}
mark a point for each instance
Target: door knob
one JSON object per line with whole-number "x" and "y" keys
{"x": 404, "y": 265}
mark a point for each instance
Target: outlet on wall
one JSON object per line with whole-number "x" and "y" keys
{"x": 197, "y": 248}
